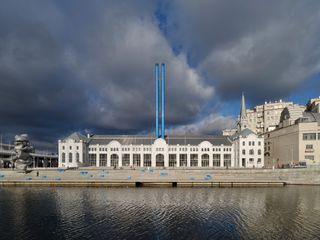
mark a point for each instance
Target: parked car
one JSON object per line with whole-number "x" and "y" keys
{"x": 300, "y": 165}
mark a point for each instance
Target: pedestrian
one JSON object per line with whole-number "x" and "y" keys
{"x": 37, "y": 173}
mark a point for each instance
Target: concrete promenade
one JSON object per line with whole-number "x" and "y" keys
{"x": 160, "y": 177}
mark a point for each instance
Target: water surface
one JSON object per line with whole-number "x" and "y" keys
{"x": 160, "y": 213}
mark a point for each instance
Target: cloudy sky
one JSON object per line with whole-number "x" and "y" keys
{"x": 88, "y": 66}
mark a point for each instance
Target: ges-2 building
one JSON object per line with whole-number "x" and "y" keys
{"x": 145, "y": 151}
{"x": 161, "y": 150}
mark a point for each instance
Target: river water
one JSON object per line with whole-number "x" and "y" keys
{"x": 291, "y": 212}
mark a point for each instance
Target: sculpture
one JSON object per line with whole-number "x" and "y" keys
{"x": 22, "y": 149}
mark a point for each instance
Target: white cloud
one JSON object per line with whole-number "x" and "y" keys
{"x": 211, "y": 124}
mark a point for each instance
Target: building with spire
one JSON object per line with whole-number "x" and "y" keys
{"x": 263, "y": 118}
{"x": 247, "y": 145}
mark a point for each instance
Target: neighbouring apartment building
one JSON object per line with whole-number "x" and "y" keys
{"x": 297, "y": 138}
{"x": 265, "y": 117}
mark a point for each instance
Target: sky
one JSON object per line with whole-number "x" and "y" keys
{"x": 88, "y": 66}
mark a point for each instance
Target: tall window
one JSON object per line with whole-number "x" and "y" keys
{"x": 194, "y": 160}
{"x": 259, "y": 151}
{"x": 77, "y": 157}
{"x": 103, "y": 160}
{"x": 243, "y": 152}
{"x": 216, "y": 160}
{"x": 205, "y": 160}
{"x": 136, "y": 160}
{"x": 114, "y": 160}
{"x": 147, "y": 160}
{"x": 125, "y": 159}
{"x": 70, "y": 157}
{"x": 92, "y": 159}
{"x": 183, "y": 160}
{"x": 63, "y": 157}
{"x": 251, "y": 152}
{"x": 159, "y": 160}
{"x": 227, "y": 160}
{"x": 172, "y": 160}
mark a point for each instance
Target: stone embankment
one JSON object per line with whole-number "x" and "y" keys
{"x": 103, "y": 177}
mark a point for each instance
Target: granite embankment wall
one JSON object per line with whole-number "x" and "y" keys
{"x": 161, "y": 178}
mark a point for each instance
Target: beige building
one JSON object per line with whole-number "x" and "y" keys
{"x": 294, "y": 141}
{"x": 265, "y": 117}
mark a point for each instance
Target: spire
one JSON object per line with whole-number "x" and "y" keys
{"x": 242, "y": 123}
{"x": 243, "y": 108}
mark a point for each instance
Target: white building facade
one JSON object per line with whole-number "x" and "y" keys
{"x": 146, "y": 151}
{"x": 248, "y": 149}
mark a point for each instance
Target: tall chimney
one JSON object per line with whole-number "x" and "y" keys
{"x": 157, "y": 99}
{"x": 162, "y": 101}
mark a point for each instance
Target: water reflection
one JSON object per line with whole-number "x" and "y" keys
{"x": 173, "y": 213}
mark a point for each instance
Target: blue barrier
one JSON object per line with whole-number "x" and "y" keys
{"x": 60, "y": 170}
{"x": 129, "y": 178}
{"x": 83, "y": 173}
{"x": 208, "y": 177}
{"x": 29, "y": 178}
{"x": 163, "y": 174}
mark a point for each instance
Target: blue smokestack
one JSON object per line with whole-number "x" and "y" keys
{"x": 157, "y": 99}
{"x": 162, "y": 100}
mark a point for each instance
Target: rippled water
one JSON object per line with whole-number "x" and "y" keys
{"x": 171, "y": 213}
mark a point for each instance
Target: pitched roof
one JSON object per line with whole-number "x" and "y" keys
{"x": 244, "y": 133}
{"x": 148, "y": 140}
{"x": 77, "y": 137}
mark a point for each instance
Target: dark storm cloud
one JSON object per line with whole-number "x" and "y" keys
{"x": 89, "y": 65}
{"x": 265, "y": 48}
{"x": 67, "y": 66}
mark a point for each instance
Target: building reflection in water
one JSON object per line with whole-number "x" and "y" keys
{"x": 166, "y": 213}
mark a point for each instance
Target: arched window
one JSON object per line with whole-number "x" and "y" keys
{"x": 159, "y": 160}
{"x": 251, "y": 152}
{"x": 114, "y": 160}
{"x": 78, "y": 157}
{"x": 70, "y": 157}
{"x": 205, "y": 160}
{"x": 63, "y": 157}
